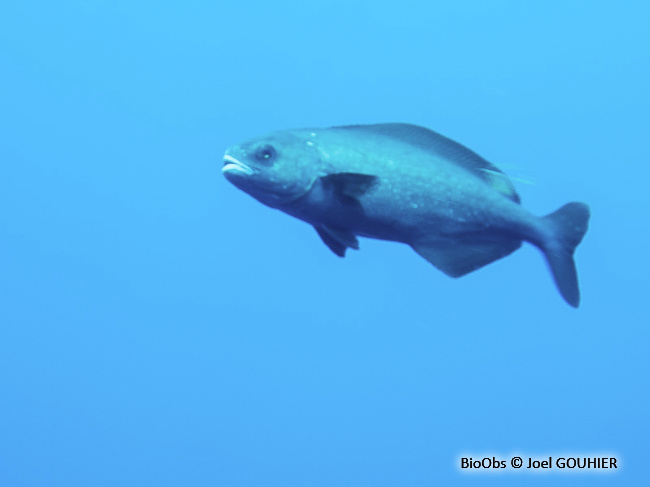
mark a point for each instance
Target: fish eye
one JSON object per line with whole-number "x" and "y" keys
{"x": 266, "y": 154}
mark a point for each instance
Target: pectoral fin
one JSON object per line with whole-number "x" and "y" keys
{"x": 459, "y": 257}
{"x": 337, "y": 240}
{"x": 349, "y": 186}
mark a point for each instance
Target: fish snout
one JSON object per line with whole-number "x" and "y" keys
{"x": 235, "y": 166}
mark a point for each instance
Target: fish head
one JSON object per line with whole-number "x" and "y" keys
{"x": 275, "y": 169}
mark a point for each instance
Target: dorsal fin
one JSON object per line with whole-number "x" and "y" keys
{"x": 440, "y": 145}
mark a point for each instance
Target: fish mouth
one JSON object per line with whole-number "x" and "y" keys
{"x": 232, "y": 165}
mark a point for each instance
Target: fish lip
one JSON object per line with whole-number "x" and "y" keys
{"x": 232, "y": 165}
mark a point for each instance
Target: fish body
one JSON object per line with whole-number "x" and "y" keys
{"x": 408, "y": 184}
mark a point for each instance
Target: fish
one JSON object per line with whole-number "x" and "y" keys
{"x": 404, "y": 183}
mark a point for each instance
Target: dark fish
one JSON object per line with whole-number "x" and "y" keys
{"x": 407, "y": 184}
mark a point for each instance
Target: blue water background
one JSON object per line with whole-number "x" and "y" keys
{"x": 160, "y": 327}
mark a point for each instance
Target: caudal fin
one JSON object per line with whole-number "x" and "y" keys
{"x": 568, "y": 226}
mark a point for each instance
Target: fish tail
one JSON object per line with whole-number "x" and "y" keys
{"x": 568, "y": 226}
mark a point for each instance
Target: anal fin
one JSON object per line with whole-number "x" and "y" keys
{"x": 463, "y": 255}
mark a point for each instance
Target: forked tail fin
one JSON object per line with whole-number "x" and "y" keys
{"x": 569, "y": 224}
